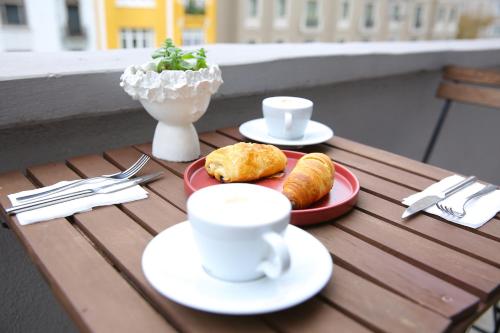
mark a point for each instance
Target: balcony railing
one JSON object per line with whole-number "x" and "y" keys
{"x": 193, "y": 9}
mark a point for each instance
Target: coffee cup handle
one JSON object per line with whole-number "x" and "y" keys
{"x": 278, "y": 261}
{"x": 288, "y": 121}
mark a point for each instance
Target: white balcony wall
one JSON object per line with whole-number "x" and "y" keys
{"x": 88, "y": 20}
{"x": 46, "y": 20}
{"x": 13, "y": 38}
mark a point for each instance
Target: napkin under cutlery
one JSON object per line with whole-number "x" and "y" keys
{"x": 479, "y": 210}
{"x": 75, "y": 206}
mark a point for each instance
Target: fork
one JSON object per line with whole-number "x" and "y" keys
{"x": 448, "y": 210}
{"x": 134, "y": 168}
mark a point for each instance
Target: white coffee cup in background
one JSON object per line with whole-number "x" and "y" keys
{"x": 287, "y": 117}
{"x": 238, "y": 229}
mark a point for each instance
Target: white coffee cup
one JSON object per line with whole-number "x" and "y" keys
{"x": 238, "y": 229}
{"x": 287, "y": 117}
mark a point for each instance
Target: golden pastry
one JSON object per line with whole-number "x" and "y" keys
{"x": 243, "y": 162}
{"x": 310, "y": 180}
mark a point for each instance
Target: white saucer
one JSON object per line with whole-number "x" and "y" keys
{"x": 315, "y": 133}
{"x": 172, "y": 266}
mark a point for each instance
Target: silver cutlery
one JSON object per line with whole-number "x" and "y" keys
{"x": 134, "y": 169}
{"x": 459, "y": 214}
{"x": 106, "y": 189}
{"x": 430, "y": 200}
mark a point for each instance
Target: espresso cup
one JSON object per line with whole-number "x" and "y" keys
{"x": 287, "y": 117}
{"x": 238, "y": 230}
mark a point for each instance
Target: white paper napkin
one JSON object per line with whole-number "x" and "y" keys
{"x": 479, "y": 210}
{"x": 75, "y": 206}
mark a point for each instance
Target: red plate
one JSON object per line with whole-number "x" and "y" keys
{"x": 341, "y": 199}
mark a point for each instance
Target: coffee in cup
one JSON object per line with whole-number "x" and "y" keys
{"x": 238, "y": 229}
{"x": 287, "y": 117}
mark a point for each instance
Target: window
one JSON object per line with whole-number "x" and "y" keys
{"x": 193, "y": 37}
{"x": 74, "y": 27}
{"x": 344, "y": 14}
{"x": 281, "y": 8}
{"x": 13, "y": 14}
{"x": 369, "y": 18}
{"x": 136, "y": 38}
{"x": 453, "y": 15}
{"x": 344, "y": 10}
{"x": 252, "y": 8}
{"x": 281, "y": 14}
{"x": 441, "y": 14}
{"x": 252, "y": 12}
{"x": 395, "y": 12}
{"x": 312, "y": 19}
{"x": 417, "y": 23}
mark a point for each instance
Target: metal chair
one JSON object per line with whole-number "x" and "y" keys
{"x": 471, "y": 86}
{"x": 464, "y": 85}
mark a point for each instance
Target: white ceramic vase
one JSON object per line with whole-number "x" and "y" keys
{"x": 176, "y": 99}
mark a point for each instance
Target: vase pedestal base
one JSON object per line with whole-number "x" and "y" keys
{"x": 176, "y": 143}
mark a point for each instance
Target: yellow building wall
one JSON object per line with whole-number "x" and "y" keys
{"x": 211, "y": 21}
{"x": 118, "y": 18}
{"x": 179, "y": 18}
{"x": 206, "y": 22}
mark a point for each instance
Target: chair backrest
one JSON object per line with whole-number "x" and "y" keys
{"x": 468, "y": 85}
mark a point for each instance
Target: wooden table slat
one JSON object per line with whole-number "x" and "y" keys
{"x": 395, "y": 274}
{"x": 101, "y": 301}
{"x": 320, "y": 318}
{"x": 378, "y": 307}
{"x": 469, "y": 273}
{"x": 448, "y": 234}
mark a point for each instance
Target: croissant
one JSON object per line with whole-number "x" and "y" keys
{"x": 245, "y": 162}
{"x": 310, "y": 180}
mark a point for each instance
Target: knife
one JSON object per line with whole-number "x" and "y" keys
{"x": 430, "y": 200}
{"x": 106, "y": 189}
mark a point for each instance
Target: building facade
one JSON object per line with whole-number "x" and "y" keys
{"x": 48, "y": 25}
{"x": 55, "y": 25}
{"x": 276, "y": 21}
{"x": 146, "y": 23}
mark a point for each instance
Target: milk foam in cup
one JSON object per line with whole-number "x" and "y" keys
{"x": 238, "y": 229}
{"x": 287, "y": 117}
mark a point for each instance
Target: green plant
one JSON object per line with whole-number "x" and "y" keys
{"x": 170, "y": 57}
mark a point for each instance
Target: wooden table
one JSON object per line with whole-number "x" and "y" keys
{"x": 421, "y": 275}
